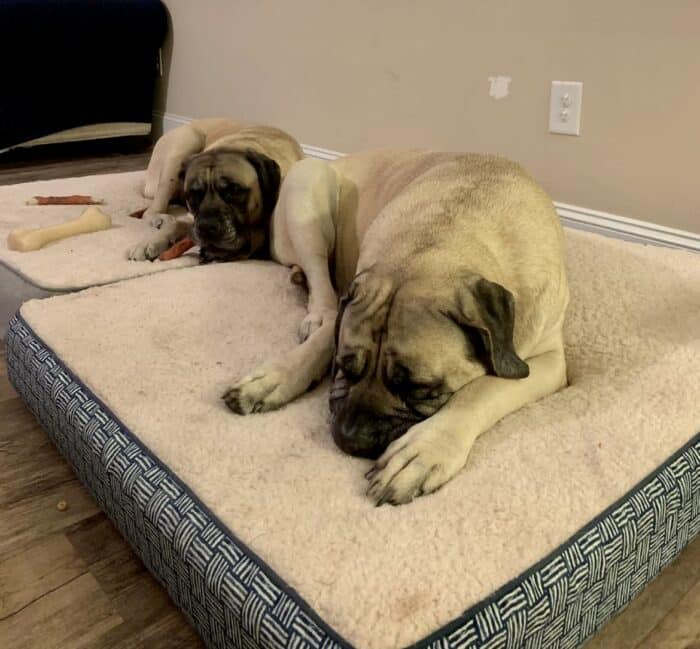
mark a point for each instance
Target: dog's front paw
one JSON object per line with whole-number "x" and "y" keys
{"x": 314, "y": 320}
{"x": 158, "y": 220}
{"x": 418, "y": 463}
{"x": 148, "y": 250}
{"x": 262, "y": 391}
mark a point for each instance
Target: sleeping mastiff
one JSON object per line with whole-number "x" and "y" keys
{"x": 454, "y": 293}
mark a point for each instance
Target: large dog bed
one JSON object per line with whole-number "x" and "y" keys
{"x": 260, "y": 529}
{"x": 77, "y": 262}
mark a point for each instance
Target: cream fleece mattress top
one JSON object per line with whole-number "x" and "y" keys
{"x": 160, "y": 350}
{"x": 88, "y": 259}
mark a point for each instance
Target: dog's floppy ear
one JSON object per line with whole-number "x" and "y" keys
{"x": 269, "y": 179}
{"x": 490, "y": 309}
{"x": 342, "y": 304}
{"x": 183, "y": 168}
{"x": 183, "y": 171}
{"x": 179, "y": 195}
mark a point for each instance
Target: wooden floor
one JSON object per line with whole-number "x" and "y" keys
{"x": 74, "y": 159}
{"x": 68, "y": 580}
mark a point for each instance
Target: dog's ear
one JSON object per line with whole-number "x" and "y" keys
{"x": 342, "y": 304}
{"x": 183, "y": 168}
{"x": 183, "y": 171}
{"x": 269, "y": 179}
{"x": 178, "y": 197}
{"x": 490, "y": 309}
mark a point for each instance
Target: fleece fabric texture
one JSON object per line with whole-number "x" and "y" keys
{"x": 160, "y": 351}
{"x": 87, "y": 259}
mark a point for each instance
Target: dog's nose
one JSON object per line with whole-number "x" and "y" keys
{"x": 356, "y": 432}
{"x": 209, "y": 229}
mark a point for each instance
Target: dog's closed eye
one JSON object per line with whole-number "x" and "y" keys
{"x": 194, "y": 197}
{"x": 353, "y": 365}
{"x": 232, "y": 192}
{"x": 402, "y": 383}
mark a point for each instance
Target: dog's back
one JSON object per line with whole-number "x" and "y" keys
{"x": 221, "y": 133}
{"x": 462, "y": 212}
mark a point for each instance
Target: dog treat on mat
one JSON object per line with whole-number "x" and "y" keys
{"x": 177, "y": 250}
{"x": 91, "y": 220}
{"x": 73, "y": 199}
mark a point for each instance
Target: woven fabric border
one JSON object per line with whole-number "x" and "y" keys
{"x": 235, "y": 600}
{"x": 228, "y": 593}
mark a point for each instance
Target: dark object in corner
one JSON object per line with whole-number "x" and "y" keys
{"x": 72, "y": 63}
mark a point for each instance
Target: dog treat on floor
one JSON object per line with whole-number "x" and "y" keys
{"x": 91, "y": 220}
{"x": 73, "y": 199}
{"x": 177, "y": 249}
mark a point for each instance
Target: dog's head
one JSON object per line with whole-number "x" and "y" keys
{"x": 231, "y": 195}
{"x": 402, "y": 351}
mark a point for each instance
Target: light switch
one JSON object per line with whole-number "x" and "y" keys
{"x": 565, "y": 107}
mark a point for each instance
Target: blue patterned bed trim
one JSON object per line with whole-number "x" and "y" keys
{"x": 228, "y": 593}
{"x": 234, "y": 599}
{"x": 563, "y": 600}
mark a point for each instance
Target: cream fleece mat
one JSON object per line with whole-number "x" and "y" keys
{"x": 84, "y": 260}
{"x": 160, "y": 351}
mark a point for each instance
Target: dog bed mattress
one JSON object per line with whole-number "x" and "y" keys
{"x": 76, "y": 262}
{"x": 260, "y": 528}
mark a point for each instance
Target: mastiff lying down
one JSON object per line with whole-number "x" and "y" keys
{"x": 450, "y": 267}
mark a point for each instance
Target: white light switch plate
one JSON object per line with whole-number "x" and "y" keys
{"x": 565, "y": 107}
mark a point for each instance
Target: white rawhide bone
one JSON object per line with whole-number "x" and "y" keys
{"x": 91, "y": 220}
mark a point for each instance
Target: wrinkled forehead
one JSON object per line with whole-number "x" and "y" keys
{"x": 413, "y": 320}
{"x": 209, "y": 167}
{"x": 390, "y": 323}
{"x": 363, "y": 311}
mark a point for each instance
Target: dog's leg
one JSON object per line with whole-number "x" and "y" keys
{"x": 304, "y": 218}
{"x": 181, "y": 143}
{"x": 169, "y": 234}
{"x": 323, "y": 301}
{"x": 160, "y": 151}
{"x": 274, "y": 384}
{"x": 433, "y": 451}
{"x": 304, "y": 236}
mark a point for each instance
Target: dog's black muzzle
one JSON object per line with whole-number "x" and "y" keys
{"x": 210, "y": 230}
{"x": 216, "y": 233}
{"x": 361, "y": 431}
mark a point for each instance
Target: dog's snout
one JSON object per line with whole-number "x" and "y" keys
{"x": 360, "y": 430}
{"x": 210, "y": 228}
{"x": 354, "y": 432}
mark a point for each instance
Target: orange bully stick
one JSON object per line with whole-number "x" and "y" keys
{"x": 73, "y": 199}
{"x": 177, "y": 250}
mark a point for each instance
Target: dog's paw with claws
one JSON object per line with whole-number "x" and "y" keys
{"x": 158, "y": 220}
{"x": 261, "y": 391}
{"x": 314, "y": 320}
{"x": 414, "y": 465}
{"x": 148, "y": 250}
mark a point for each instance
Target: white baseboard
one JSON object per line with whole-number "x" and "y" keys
{"x": 572, "y": 216}
{"x": 171, "y": 121}
{"x": 622, "y": 227}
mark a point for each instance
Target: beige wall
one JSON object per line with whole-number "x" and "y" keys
{"x": 350, "y": 75}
